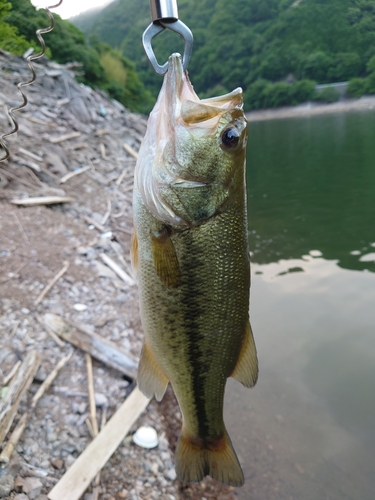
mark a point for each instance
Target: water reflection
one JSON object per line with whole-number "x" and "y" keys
{"x": 311, "y": 185}
{"x": 307, "y": 431}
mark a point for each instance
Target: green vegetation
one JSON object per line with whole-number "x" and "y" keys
{"x": 19, "y": 21}
{"x": 329, "y": 94}
{"x": 265, "y": 94}
{"x": 11, "y": 40}
{"x": 242, "y": 42}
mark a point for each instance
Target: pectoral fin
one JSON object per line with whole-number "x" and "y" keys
{"x": 151, "y": 379}
{"x": 246, "y": 370}
{"x": 134, "y": 251}
{"x": 165, "y": 258}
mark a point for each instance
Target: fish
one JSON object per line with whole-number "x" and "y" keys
{"x": 190, "y": 251}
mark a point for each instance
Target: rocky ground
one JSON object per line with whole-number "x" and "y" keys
{"x": 66, "y": 127}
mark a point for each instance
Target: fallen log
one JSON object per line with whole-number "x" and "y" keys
{"x": 92, "y": 343}
{"x": 20, "y": 427}
{"x": 18, "y": 386}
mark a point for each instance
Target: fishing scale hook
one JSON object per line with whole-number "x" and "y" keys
{"x": 164, "y": 15}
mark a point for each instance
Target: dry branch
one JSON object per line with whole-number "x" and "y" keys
{"x": 79, "y": 476}
{"x": 42, "y": 200}
{"x": 130, "y": 150}
{"x": 30, "y": 154}
{"x": 11, "y": 374}
{"x": 50, "y": 332}
{"x": 117, "y": 269}
{"x": 51, "y": 283}
{"x": 17, "y": 388}
{"x": 73, "y": 174}
{"x": 90, "y": 383}
{"x": 18, "y": 431}
{"x": 94, "y": 223}
{"x": 65, "y": 137}
{"x": 94, "y": 344}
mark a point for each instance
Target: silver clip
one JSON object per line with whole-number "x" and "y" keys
{"x": 164, "y": 14}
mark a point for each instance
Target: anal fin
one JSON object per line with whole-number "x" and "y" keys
{"x": 246, "y": 370}
{"x": 165, "y": 258}
{"x": 151, "y": 379}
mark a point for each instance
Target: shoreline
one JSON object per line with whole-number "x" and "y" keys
{"x": 310, "y": 108}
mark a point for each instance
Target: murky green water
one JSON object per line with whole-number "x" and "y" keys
{"x": 307, "y": 431}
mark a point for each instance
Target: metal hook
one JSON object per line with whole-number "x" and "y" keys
{"x": 157, "y": 27}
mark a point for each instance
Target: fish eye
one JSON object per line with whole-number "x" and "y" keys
{"x": 230, "y": 137}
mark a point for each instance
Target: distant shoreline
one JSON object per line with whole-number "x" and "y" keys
{"x": 312, "y": 108}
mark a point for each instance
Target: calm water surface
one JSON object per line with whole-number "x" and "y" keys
{"x": 307, "y": 431}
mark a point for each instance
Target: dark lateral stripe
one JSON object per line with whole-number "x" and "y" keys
{"x": 193, "y": 284}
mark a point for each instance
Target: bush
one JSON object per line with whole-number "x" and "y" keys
{"x": 303, "y": 90}
{"x": 356, "y": 87}
{"x": 278, "y": 94}
{"x": 10, "y": 39}
{"x": 370, "y": 84}
{"x": 253, "y": 97}
{"x": 329, "y": 94}
{"x": 265, "y": 94}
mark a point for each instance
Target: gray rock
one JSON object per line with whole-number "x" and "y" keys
{"x": 171, "y": 474}
{"x": 79, "y": 109}
{"x": 55, "y": 163}
{"x": 6, "y": 485}
{"x": 101, "y": 400}
{"x": 33, "y": 487}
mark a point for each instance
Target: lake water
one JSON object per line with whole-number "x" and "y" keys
{"x": 307, "y": 430}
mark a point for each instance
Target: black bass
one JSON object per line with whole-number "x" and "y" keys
{"x": 191, "y": 253}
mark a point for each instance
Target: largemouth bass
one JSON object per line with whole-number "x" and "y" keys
{"x": 191, "y": 253}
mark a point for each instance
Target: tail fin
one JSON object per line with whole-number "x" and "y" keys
{"x": 196, "y": 459}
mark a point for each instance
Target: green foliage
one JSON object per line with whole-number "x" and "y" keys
{"x": 356, "y": 87}
{"x": 329, "y": 95}
{"x": 265, "y": 94}
{"x": 370, "y": 84}
{"x": 122, "y": 81}
{"x": 247, "y": 41}
{"x": 10, "y": 40}
{"x": 102, "y": 66}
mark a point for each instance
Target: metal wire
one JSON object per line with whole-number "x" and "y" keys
{"x": 29, "y": 59}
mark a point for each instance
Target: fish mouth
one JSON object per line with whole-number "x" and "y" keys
{"x": 184, "y": 103}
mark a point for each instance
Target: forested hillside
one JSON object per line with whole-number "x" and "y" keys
{"x": 254, "y": 42}
{"x": 102, "y": 66}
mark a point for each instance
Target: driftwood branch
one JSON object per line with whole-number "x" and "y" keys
{"x": 74, "y": 173}
{"x": 18, "y": 431}
{"x": 130, "y": 150}
{"x": 90, "y": 383}
{"x": 51, "y": 283}
{"x": 117, "y": 269}
{"x": 79, "y": 476}
{"x": 42, "y": 200}
{"x": 12, "y": 372}
{"x": 92, "y": 343}
{"x": 17, "y": 388}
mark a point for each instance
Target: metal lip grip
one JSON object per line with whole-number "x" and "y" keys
{"x": 164, "y": 15}
{"x": 164, "y": 10}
